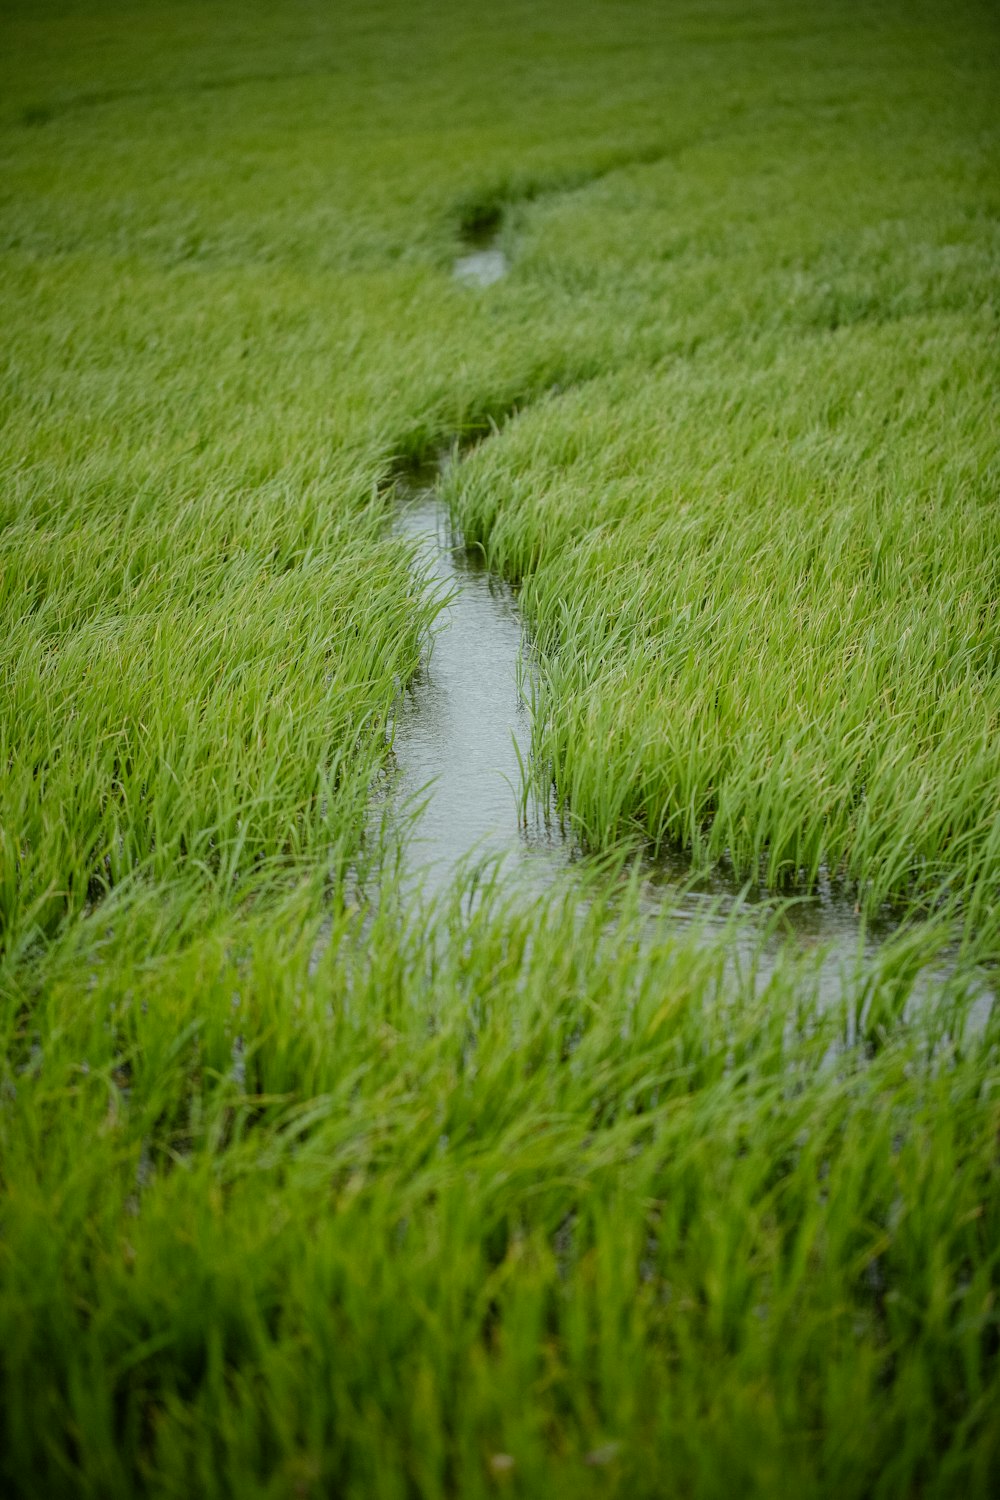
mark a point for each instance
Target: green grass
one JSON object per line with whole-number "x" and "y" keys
{"x": 360, "y": 1210}
{"x": 765, "y": 637}
{"x": 307, "y": 1189}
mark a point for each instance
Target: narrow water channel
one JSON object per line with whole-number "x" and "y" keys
{"x": 462, "y": 738}
{"x": 463, "y": 729}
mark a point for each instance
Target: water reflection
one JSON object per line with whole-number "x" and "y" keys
{"x": 462, "y": 729}
{"x": 481, "y": 267}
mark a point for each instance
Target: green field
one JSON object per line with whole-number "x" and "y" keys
{"x": 310, "y": 1188}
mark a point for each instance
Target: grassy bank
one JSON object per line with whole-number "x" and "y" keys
{"x": 307, "y": 1190}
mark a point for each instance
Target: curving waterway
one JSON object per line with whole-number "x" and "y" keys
{"x": 462, "y": 743}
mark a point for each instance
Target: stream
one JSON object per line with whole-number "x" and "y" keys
{"x": 462, "y": 734}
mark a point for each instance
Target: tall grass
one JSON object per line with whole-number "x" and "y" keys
{"x": 762, "y": 636}
{"x": 363, "y": 1210}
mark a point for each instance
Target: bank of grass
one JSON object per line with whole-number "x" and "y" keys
{"x": 306, "y": 1192}
{"x": 766, "y": 603}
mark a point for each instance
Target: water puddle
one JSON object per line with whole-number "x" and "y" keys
{"x": 481, "y": 267}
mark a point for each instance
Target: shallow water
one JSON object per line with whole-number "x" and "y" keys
{"x": 481, "y": 267}
{"x": 462, "y": 727}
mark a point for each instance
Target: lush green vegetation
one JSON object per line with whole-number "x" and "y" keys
{"x": 306, "y": 1190}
